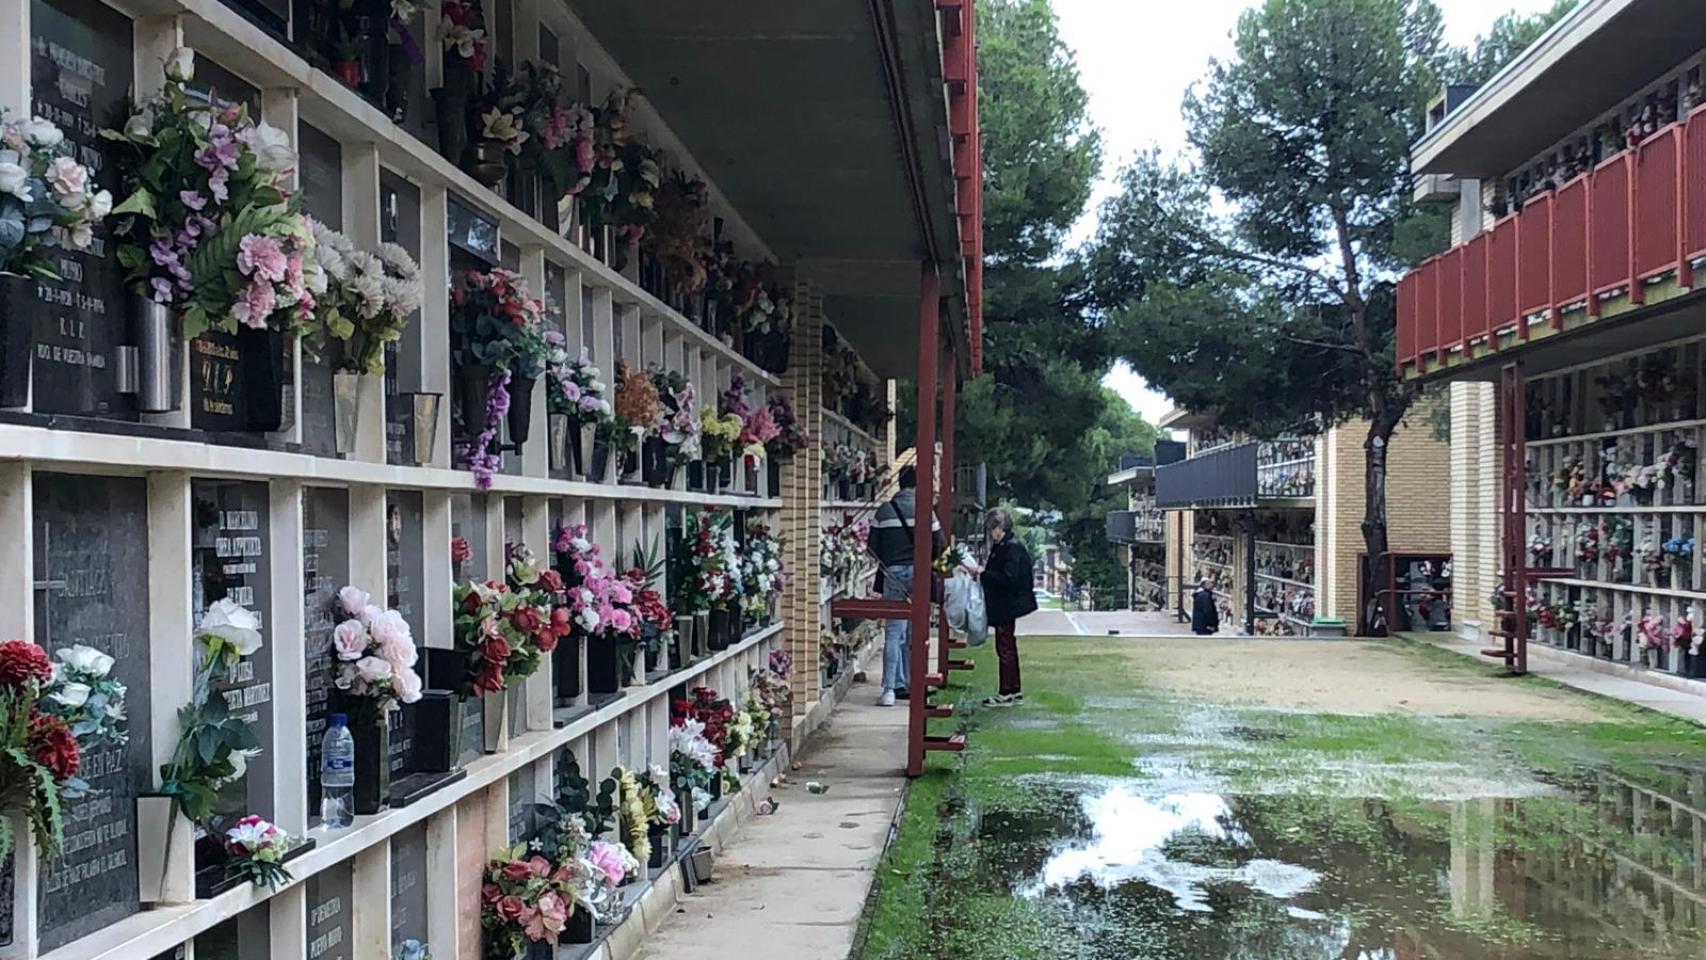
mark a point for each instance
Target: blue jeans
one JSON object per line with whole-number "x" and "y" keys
{"x": 897, "y": 634}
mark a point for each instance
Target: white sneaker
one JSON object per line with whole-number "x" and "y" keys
{"x": 887, "y": 699}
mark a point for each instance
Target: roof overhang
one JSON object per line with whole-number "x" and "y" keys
{"x": 1602, "y": 53}
{"x": 1179, "y": 418}
{"x": 826, "y": 124}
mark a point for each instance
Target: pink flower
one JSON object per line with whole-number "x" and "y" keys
{"x": 547, "y": 923}
{"x": 257, "y": 304}
{"x": 391, "y": 633}
{"x": 406, "y": 685}
{"x": 349, "y": 640}
{"x": 261, "y": 257}
{"x": 373, "y": 669}
{"x": 354, "y": 600}
{"x": 605, "y": 858}
{"x": 67, "y": 177}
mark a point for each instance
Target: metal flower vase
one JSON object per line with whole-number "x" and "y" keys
{"x": 346, "y": 409}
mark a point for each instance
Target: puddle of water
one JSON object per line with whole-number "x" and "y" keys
{"x": 1606, "y": 870}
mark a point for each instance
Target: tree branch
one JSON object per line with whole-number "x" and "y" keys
{"x": 1324, "y": 345}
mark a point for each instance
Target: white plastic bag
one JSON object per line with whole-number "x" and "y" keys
{"x": 963, "y": 602}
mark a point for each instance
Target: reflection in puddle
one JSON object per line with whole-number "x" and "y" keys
{"x": 1608, "y": 869}
{"x": 1129, "y": 845}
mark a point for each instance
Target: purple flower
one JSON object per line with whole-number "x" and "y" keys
{"x": 216, "y": 185}
{"x": 192, "y": 199}
{"x": 262, "y": 257}
{"x": 162, "y": 289}
{"x": 162, "y": 252}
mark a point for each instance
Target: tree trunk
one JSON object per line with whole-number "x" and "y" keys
{"x": 1377, "y": 562}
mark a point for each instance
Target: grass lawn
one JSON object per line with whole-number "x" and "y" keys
{"x": 1281, "y": 832}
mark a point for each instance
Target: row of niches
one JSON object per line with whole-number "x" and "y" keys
{"x": 1654, "y": 467}
{"x": 1667, "y": 101}
{"x": 429, "y": 664}
{"x": 1287, "y": 561}
{"x": 1638, "y": 629}
{"x": 1645, "y": 391}
{"x": 1149, "y": 586}
{"x": 1652, "y": 550}
{"x": 117, "y": 327}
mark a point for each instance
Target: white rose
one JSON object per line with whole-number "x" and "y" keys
{"x": 42, "y": 133}
{"x": 81, "y": 236}
{"x": 100, "y": 205}
{"x": 85, "y": 659}
{"x": 373, "y": 669}
{"x": 354, "y": 600}
{"x": 140, "y": 126}
{"x": 14, "y": 179}
{"x": 234, "y": 623}
{"x": 67, "y": 177}
{"x": 180, "y": 64}
{"x": 349, "y": 640}
{"x": 72, "y": 695}
{"x": 406, "y": 684}
{"x": 273, "y": 152}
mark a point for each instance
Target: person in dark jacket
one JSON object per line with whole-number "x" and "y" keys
{"x": 1205, "y": 613}
{"x": 1008, "y": 594}
{"x": 891, "y": 540}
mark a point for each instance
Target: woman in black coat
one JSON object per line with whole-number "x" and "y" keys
{"x": 1008, "y": 594}
{"x": 1205, "y": 613}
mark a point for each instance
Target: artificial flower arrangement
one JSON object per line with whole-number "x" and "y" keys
{"x": 376, "y": 655}
{"x": 842, "y": 551}
{"x": 1587, "y": 543}
{"x": 1571, "y": 479}
{"x": 503, "y": 629}
{"x": 368, "y": 300}
{"x": 762, "y": 577}
{"x": 1651, "y": 555}
{"x": 574, "y": 386}
{"x": 207, "y": 226}
{"x": 1540, "y": 549}
{"x": 708, "y": 707}
{"x": 45, "y": 195}
{"x": 498, "y": 334}
{"x": 1651, "y": 633}
{"x": 636, "y": 409}
{"x": 599, "y": 604}
{"x": 413, "y": 950}
{"x": 1684, "y": 637}
{"x": 50, "y": 715}
{"x": 680, "y": 233}
{"x": 657, "y": 799}
{"x": 756, "y": 426}
{"x": 631, "y": 815}
{"x": 625, "y": 174}
{"x": 1678, "y": 551}
{"x": 790, "y": 438}
{"x": 1618, "y": 541}
{"x": 719, "y": 434}
{"x": 677, "y": 423}
{"x": 708, "y": 567}
{"x": 652, "y": 615}
{"x": 257, "y": 849}
{"x": 214, "y": 747}
{"x": 465, "y": 34}
{"x": 693, "y": 758}
{"x": 525, "y": 899}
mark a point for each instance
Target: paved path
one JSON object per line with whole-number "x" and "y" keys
{"x": 1067, "y": 623}
{"x": 792, "y": 884}
{"x": 1620, "y": 682}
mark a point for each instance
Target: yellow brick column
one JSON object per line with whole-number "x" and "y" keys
{"x": 802, "y": 499}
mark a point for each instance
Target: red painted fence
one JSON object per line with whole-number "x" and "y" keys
{"x": 1637, "y": 216}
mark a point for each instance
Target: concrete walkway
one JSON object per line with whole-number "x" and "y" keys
{"x": 792, "y": 884}
{"x": 1618, "y": 681}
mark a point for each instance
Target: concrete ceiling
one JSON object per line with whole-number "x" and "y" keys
{"x": 822, "y": 122}
{"x": 1602, "y": 54}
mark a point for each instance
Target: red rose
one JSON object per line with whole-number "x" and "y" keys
{"x": 459, "y": 550}
{"x": 472, "y": 603}
{"x": 540, "y": 866}
{"x": 22, "y": 661}
{"x": 545, "y": 640}
{"x": 511, "y": 908}
{"x": 552, "y": 581}
{"x": 525, "y": 619}
{"x": 490, "y": 679}
{"x": 490, "y": 894}
{"x": 53, "y": 746}
{"x": 518, "y": 871}
{"x": 562, "y": 621}
{"x": 495, "y": 650}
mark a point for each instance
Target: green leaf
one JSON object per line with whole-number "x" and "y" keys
{"x": 140, "y": 203}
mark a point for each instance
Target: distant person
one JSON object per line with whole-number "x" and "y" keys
{"x": 1205, "y": 613}
{"x": 1008, "y": 594}
{"x": 891, "y": 541}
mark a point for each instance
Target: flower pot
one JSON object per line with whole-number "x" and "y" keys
{"x": 156, "y": 362}
{"x": 581, "y": 435}
{"x": 160, "y": 829}
{"x": 580, "y": 928}
{"x": 450, "y": 109}
{"x": 751, "y": 477}
{"x": 701, "y": 632}
{"x": 655, "y": 462}
{"x": 696, "y": 475}
{"x": 262, "y": 353}
{"x": 566, "y": 672}
{"x": 372, "y": 762}
{"x": 773, "y": 474}
{"x": 558, "y": 447}
{"x": 683, "y": 651}
{"x": 472, "y": 382}
{"x": 397, "y": 88}
{"x": 716, "y": 790}
{"x": 721, "y": 622}
{"x": 599, "y": 469}
{"x": 17, "y": 323}
{"x": 603, "y": 669}
{"x": 486, "y": 163}
{"x": 375, "y": 60}
{"x": 346, "y": 406}
{"x": 496, "y": 706}
{"x": 655, "y": 861}
{"x": 423, "y": 422}
{"x": 630, "y": 468}
{"x": 438, "y": 733}
{"x": 844, "y": 490}
{"x": 520, "y": 417}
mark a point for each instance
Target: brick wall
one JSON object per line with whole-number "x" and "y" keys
{"x": 1475, "y": 459}
{"x": 802, "y": 495}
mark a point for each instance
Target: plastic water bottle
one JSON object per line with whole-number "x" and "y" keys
{"x": 337, "y": 774}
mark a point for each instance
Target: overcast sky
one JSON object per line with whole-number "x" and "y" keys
{"x": 1136, "y": 58}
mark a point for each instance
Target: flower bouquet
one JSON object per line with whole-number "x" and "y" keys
{"x": 524, "y": 899}
{"x": 498, "y": 344}
{"x": 636, "y": 411}
{"x": 368, "y": 301}
{"x": 718, "y": 435}
{"x": 503, "y": 631}
{"x": 762, "y": 578}
{"x": 693, "y": 759}
{"x": 376, "y": 659}
{"x": 464, "y": 26}
{"x": 1652, "y": 638}
{"x": 674, "y": 249}
{"x": 675, "y": 437}
{"x": 575, "y": 401}
{"x": 790, "y": 438}
{"x": 662, "y": 811}
{"x": 257, "y": 851}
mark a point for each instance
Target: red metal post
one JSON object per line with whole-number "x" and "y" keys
{"x": 1518, "y": 492}
{"x": 945, "y": 507}
{"x": 924, "y": 444}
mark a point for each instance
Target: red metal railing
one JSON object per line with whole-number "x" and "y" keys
{"x": 1638, "y": 216}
